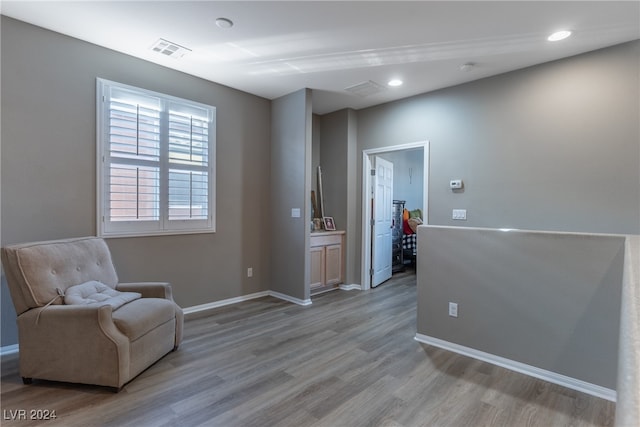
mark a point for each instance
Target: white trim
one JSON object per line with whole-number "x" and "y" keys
{"x": 352, "y": 287}
{"x": 365, "y": 277}
{"x": 221, "y": 303}
{"x": 8, "y": 349}
{"x": 209, "y": 306}
{"x": 552, "y": 377}
{"x": 290, "y": 298}
{"x": 366, "y": 206}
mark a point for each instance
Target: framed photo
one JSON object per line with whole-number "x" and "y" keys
{"x": 329, "y": 225}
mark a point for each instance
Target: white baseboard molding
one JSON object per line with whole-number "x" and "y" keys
{"x": 552, "y": 377}
{"x": 351, "y": 287}
{"x": 222, "y": 303}
{"x": 290, "y": 298}
{"x": 216, "y": 304}
{"x": 8, "y": 349}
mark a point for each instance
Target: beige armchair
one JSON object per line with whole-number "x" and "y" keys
{"x": 76, "y": 323}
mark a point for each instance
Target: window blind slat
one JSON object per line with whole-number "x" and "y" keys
{"x": 188, "y": 195}
{"x": 134, "y": 130}
{"x": 133, "y": 193}
{"x": 188, "y": 139}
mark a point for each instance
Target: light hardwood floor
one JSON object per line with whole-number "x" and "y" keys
{"x": 349, "y": 359}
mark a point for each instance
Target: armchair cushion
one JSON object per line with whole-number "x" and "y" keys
{"x": 94, "y": 292}
{"x": 143, "y": 315}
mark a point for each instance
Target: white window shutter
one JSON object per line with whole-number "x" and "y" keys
{"x": 155, "y": 171}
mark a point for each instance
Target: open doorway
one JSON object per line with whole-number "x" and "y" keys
{"x": 404, "y": 171}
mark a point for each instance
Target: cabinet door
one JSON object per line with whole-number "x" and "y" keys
{"x": 317, "y": 267}
{"x": 333, "y": 264}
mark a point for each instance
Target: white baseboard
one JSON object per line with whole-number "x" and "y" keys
{"x": 552, "y": 377}
{"x": 290, "y": 298}
{"x": 222, "y": 303}
{"x": 8, "y": 349}
{"x": 216, "y": 304}
{"x": 351, "y": 287}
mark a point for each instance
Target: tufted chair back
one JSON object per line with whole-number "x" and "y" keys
{"x": 35, "y": 271}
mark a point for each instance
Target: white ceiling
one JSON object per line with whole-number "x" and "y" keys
{"x": 276, "y": 48}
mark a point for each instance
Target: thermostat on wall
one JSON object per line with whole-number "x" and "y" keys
{"x": 455, "y": 184}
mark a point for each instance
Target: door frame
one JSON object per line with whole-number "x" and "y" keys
{"x": 365, "y": 277}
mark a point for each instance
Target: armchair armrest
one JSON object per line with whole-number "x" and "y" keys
{"x": 148, "y": 289}
{"x": 156, "y": 290}
{"x": 86, "y": 336}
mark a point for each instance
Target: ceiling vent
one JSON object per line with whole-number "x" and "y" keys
{"x": 365, "y": 88}
{"x": 168, "y": 48}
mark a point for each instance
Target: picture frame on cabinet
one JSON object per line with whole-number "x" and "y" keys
{"x": 329, "y": 225}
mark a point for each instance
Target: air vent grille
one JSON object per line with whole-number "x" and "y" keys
{"x": 168, "y": 48}
{"x": 365, "y": 88}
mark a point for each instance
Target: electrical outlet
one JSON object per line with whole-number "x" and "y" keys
{"x": 459, "y": 214}
{"x": 250, "y": 272}
{"x": 453, "y": 309}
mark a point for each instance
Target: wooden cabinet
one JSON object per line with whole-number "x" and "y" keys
{"x": 327, "y": 260}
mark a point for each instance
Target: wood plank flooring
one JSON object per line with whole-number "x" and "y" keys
{"x": 349, "y": 359}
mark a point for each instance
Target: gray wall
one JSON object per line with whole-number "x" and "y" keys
{"x": 315, "y": 153}
{"x": 548, "y": 300}
{"x": 291, "y": 137}
{"x": 408, "y": 178}
{"x": 338, "y": 155}
{"x": 551, "y": 147}
{"x": 49, "y": 176}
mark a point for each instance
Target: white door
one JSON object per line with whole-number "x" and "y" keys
{"x": 382, "y": 221}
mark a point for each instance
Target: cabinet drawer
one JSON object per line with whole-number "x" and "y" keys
{"x": 334, "y": 239}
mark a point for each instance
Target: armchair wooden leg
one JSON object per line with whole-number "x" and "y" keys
{"x": 27, "y": 380}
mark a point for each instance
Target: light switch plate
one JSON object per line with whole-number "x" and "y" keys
{"x": 453, "y": 309}
{"x": 295, "y": 212}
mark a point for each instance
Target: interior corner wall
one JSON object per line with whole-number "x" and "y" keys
{"x": 291, "y": 146}
{"x": 315, "y": 152}
{"x": 338, "y": 148}
{"x": 354, "y": 243}
{"x": 333, "y": 160}
{"x": 550, "y": 147}
{"x": 49, "y": 166}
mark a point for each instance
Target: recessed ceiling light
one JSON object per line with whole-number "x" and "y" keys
{"x": 559, "y": 35}
{"x": 224, "y": 23}
{"x": 395, "y": 82}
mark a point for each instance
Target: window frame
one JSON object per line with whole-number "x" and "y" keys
{"x": 163, "y": 225}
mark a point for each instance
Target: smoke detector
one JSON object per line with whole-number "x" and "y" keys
{"x": 467, "y": 67}
{"x": 168, "y": 48}
{"x": 224, "y": 23}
